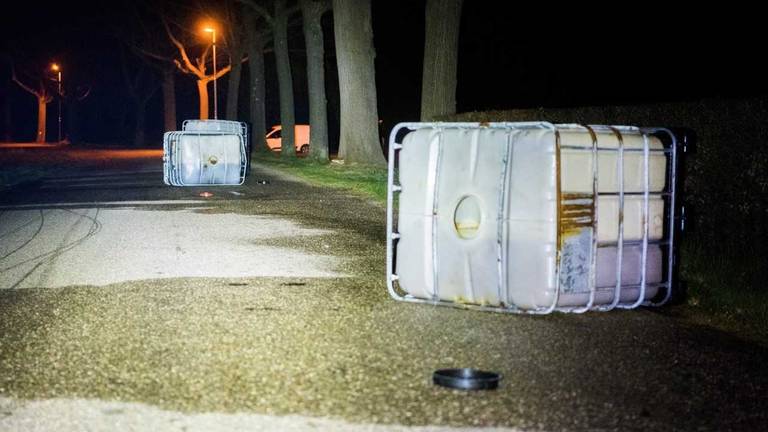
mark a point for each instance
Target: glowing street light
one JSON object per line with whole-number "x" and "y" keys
{"x": 55, "y": 67}
{"x": 215, "y": 93}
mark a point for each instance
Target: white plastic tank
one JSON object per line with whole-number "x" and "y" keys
{"x": 194, "y": 158}
{"x": 518, "y": 216}
{"x": 210, "y": 159}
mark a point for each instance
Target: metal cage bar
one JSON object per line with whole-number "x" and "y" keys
{"x": 594, "y": 246}
{"x": 672, "y": 209}
{"x": 645, "y": 228}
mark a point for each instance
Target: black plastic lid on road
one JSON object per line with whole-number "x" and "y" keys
{"x": 466, "y": 379}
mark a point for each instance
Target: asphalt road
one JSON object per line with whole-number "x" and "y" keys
{"x": 126, "y": 304}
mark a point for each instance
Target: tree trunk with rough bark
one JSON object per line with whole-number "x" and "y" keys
{"x": 233, "y": 86}
{"x": 202, "y": 92}
{"x": 441, "y": 47}
{"x": 139, "y": 134}
{"x": 359, "y": 141}
{"x": 312, "y": 11}
{"x": 256, "y": 90}
{"x": 41, "y": 119}
{"x": 43, "y": 97}
{"x": 285, "y": 79}
{"x": 169, "y": 99}
{"x": 72, "y": 121}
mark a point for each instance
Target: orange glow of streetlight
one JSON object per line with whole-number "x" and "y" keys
{"x": 55, "y": 67}
{"x": 209, "y": 26}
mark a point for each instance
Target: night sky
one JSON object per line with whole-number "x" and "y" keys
{"x": 511, "y": 56}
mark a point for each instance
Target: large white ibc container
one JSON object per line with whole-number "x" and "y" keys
{"x": 504, "y": 216}
{"x": 194, "y": 158}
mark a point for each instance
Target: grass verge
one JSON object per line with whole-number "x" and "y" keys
{"x": 369, "y": 181}
{"x": 726, "y": 289}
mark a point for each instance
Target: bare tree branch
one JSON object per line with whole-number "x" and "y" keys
{"x": 181, "y": 67}
{"x": 187, "y": 63}
{"x": 259, "y": 9}
{"x": 21, "y": 84}
{"x": 150, "y": 54}
{"x": 133, "y": 84}
{"x": 84, "y": 93}
{"x": 220, "y": 73}
{"x": 203, "y": 59}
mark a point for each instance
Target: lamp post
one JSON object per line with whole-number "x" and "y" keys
{"x": 55, "y": 67}
{"x": 215, "y": 93}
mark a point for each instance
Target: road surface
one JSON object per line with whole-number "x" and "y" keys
{"x": 127, "y": 304}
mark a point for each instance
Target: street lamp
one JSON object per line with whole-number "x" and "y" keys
{"x": 55, "y": 67}
{"x": 215, "y": 93}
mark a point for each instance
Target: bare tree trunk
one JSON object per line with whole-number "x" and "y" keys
{"x": 441, "y": 48}
{"x": 202, "y": 91}
{"x": 256, "y": 91}
{"x": 285, "y": 79}
{"x": 359, "y": 141}
{"x": 233, "y": 86}
{"x": 139, "y": 134}
{"x": 7, "y": 121}
{"x": 72, "y": 120}
{"x": 42, "y": 101}
{"x": 41, "y": 119}
{"x": 169, "y": 99}
{"x": 312, "y": 11}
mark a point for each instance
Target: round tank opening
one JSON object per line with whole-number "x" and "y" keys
{"x": 467, "y": 217}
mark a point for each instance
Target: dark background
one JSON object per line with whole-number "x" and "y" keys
{"x": 510, "y": 56}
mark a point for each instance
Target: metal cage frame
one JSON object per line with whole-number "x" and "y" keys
{"x": 229, "y": 126}
{"x": 171, "y": 161}
{"x": 670, "y": 190}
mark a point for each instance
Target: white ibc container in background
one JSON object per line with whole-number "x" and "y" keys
{"x": 227, "y": 126}
{"x": 210, "y": 159}
{"x": 530, "y": 217}
{"x": 197, "y": 158}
